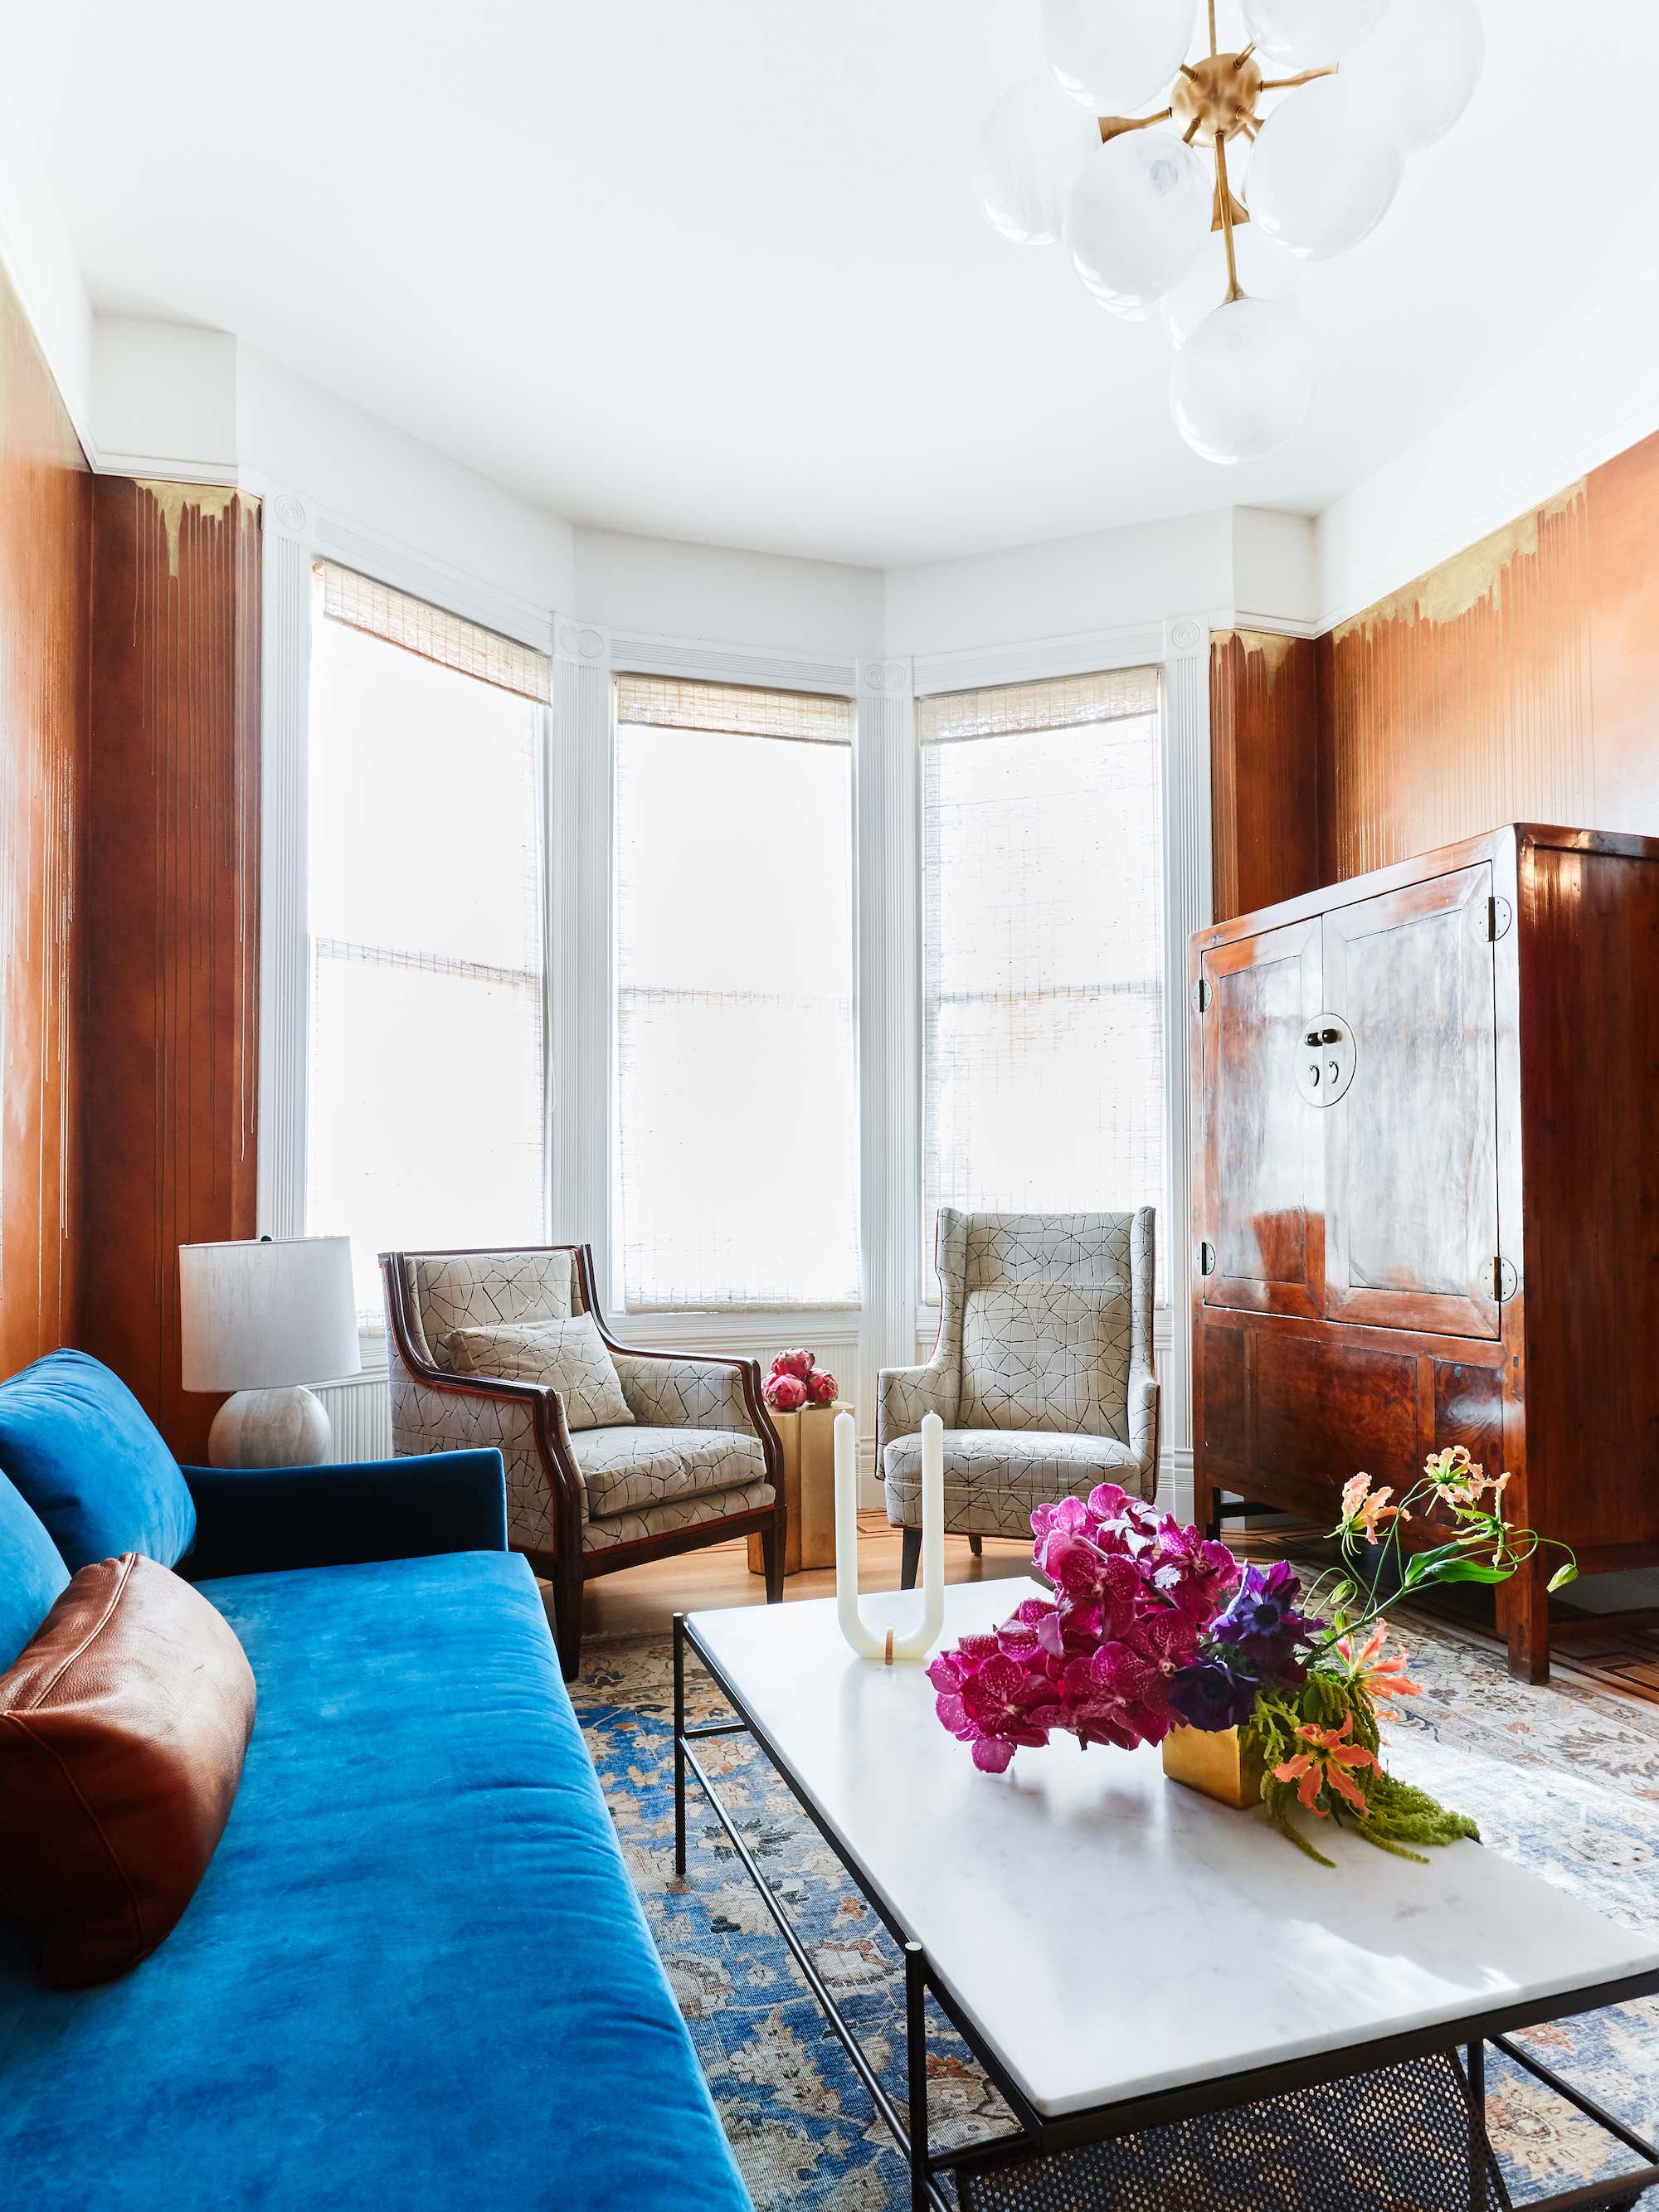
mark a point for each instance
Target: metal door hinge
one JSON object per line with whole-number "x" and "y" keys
{"x": 1502, "y": 1280}
{"x": 1499, "y": 915}
{"x": 1206, "y": 1258}
{"x": 1203, "y": 992}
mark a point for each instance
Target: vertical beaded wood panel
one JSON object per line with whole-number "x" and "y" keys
{"x": 1464, "y": 701}
{"x": 45, "y": 540}
{"x": 173, "y": 909}
{"x": 1264, "y": 786}
{"x": 1624, "y": 529}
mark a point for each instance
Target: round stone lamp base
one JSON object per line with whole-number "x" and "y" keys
{"x": 270, "y": 1428}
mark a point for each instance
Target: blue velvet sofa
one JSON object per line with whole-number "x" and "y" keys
{"x": 415, "y": 1974}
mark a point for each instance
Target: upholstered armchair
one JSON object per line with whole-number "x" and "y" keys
{"x": 638, "y": 1455}
{"x": 1042, "y": 1373}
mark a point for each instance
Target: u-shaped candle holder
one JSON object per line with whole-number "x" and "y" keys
{"x": 887, "y": 1644}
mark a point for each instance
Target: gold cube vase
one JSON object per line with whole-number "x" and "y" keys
{"x": 1217, "y": 1761}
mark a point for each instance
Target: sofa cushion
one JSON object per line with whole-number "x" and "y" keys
{"x": 415, "y": 1974}
{"x": 627, "y": 1470}
{"x": 32, "y": 1573}
{"x": 122, "y": 1728}
{"x": 570, "y": 1357}
{"x": 88, "y": 1458}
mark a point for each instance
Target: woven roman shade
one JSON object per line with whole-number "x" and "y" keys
{"x": 418, "y": 627}
{"x": 741, "y": 710}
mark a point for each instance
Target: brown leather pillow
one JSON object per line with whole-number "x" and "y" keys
{"x": 123, "y": 1729}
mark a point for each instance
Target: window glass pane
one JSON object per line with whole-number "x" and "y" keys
{"x": 1042, "y": 961}
{"x": 426, "y": 1110}
{"x": 427, "y": 1090}
{"x": 737, "y": 1098}
{"x": 423, "y": 804}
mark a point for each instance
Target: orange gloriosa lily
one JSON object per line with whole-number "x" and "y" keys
{"x": 1328, "y": 1763}
{"x": 1381, "y": 1679}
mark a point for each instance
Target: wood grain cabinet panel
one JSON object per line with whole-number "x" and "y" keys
{"x": 1263, "y": 1246}
{"x": 1481, "y": 1199}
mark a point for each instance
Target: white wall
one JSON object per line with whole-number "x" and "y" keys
{"x": 1590, "y": 390}
{"x": 663, "y": 587}
{"x": 37, "y": 257}
{"x": 365, "y": 479}
{"x": 164, "y": 400}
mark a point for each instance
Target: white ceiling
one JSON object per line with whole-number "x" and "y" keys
{"x": 715, "y": 271}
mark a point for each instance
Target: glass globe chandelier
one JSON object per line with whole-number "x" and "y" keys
{"x": 1138, "y": 199}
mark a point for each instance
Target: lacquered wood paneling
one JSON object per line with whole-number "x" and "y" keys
{"x": 1264, "y": 794}
{"x": 172, "y": 1009}
{"x": 46, "y": 539}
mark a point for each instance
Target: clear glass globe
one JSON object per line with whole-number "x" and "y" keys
{"x": 1321, "y": 174}
{"x": 1032, "y": 146}
{"x": 1308, "y": 32}
{"x": 1137, "y": 218}
{"x": 1264, "y": 270}
{"x": 1114, "y": 56}
{"x": 1243, "y": 382}
{"x": 1417, "y": 73}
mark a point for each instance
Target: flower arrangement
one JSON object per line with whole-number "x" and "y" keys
{"x": 796, "y": 1380}
{"x": 1152, "y": 1626}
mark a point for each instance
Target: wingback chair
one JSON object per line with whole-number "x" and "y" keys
{"x": 689, "y": 1457}
{"x": 1042, "y": 1373}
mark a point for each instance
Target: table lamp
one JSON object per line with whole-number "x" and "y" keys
{"x": 263, "y": 1319}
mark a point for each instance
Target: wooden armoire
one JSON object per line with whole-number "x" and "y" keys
{"x": 1425, "y": 1193}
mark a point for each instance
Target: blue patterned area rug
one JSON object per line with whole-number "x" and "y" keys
{"x": 1564, "y": 1780}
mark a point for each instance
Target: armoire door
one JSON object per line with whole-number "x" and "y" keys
{"x": 1260, "y": 1227}
{"x": 1411, "y": 1161}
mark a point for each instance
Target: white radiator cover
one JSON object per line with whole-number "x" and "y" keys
{"x": 361, "y": 1411}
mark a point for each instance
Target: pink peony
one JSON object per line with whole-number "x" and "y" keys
{"x": 785, "y": 1393}
{"x": 821, "y": 1386}
{"x": 796, "y": 1363}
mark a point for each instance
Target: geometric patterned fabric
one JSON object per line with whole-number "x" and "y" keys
{"x": 569, "y": 1356}
{"x": 1042, "y": 1374}
{"x": 675, "y": 1449}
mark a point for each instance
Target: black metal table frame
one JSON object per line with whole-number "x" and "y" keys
{"x": 1037, "y": 2135}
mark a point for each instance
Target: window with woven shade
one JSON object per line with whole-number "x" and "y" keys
{"x": 1042, "y": 899}
{"x": 427, "y": 1085}
{"x": 737, "y": 1109}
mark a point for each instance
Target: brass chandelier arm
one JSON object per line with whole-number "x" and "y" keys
{"x": 1212, "y": 44}
{"x": 1307, "y": 77}
{"x": 1223, "y": 192}
{"x": 1115, "y": 126}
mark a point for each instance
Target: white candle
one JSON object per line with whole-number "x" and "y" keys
{"x": 865, "y": 1640}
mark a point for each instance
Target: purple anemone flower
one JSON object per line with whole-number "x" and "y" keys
{"x": 1208, "y": 1695}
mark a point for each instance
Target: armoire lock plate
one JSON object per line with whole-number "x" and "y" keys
{"x": 1325, "y": 1060}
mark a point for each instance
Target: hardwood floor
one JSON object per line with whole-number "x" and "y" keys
{"x": 643, "y": 1601}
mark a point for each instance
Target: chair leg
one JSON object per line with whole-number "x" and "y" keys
{"x": 911, "y": 1564}
{"x": 567, "y": 1615}
{"x": 772, "y": 1550}
{"x": 977, "y": 1545}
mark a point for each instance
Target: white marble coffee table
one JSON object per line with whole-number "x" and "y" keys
{"x": 1087, "y": 1924}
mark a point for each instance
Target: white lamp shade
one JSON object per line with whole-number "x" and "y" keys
{"x": 265, "y": 1316}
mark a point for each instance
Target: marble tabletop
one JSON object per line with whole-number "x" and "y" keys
{"x": 1108, "y": 1933}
